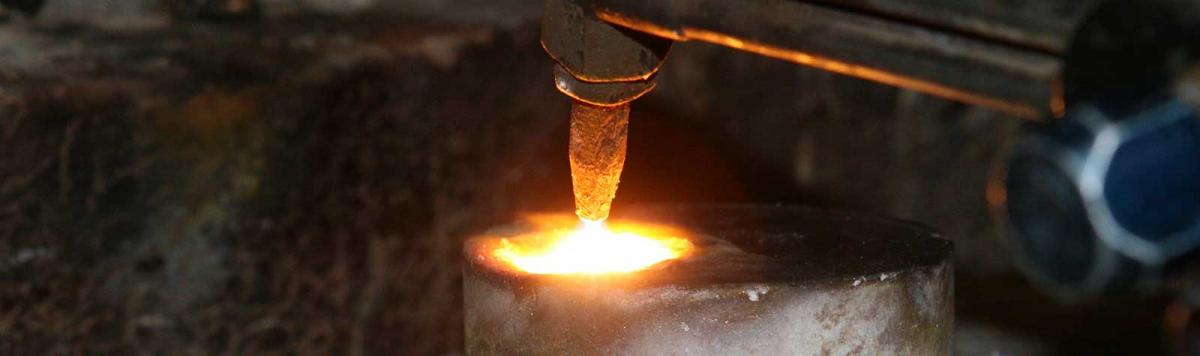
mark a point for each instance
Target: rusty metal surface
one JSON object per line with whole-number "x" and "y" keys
{"x": 1014, "y": 80}
{"x": 766, "y": 280}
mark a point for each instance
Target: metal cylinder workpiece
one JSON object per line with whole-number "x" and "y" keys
{"x": 762, "y": 280}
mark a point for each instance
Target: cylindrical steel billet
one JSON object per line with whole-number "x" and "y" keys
{"x": 762, "y": 280}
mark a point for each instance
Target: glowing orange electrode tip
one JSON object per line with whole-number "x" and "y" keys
{"x": 597, "y": 156}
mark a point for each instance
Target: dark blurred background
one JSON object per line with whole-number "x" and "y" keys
{"x": 295, "y": 176}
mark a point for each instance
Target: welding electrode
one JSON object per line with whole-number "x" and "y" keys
{"x": 598, "y": 136}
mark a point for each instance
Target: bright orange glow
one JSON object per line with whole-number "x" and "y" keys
{"x": 593, "y": 248}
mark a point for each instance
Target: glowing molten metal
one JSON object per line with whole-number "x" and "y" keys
{"x": 592, "y": 249}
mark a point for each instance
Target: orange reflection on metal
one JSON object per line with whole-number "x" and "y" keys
{"x": 591, "y": 248}
{"x": 686, "y": 33}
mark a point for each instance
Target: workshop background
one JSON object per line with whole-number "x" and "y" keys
{"x": 296, "y": 176}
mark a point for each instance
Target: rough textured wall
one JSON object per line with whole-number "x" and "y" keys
{"x": 294, "y": 186}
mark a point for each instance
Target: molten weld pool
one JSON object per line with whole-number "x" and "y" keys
{"x": 558, "y": 246}
{"x": 715, "y": 280}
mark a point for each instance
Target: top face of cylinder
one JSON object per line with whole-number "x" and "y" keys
{"x": 750, "y": 244}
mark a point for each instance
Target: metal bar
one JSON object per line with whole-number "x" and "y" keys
{"x": 1045, "y": 25}
{"x": 1017, "y": 81}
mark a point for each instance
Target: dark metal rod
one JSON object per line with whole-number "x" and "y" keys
{"x": 1045, "y": 25}
{"x": 1018, "y": 81}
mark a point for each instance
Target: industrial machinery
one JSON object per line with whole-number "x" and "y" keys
{"x": 1103, "y": 183}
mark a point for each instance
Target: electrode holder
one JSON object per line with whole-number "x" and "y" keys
{"x": 598, "y": 63}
